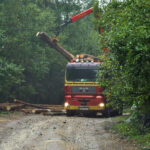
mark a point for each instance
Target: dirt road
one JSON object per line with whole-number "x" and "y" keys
{"x": 36, "y": 132}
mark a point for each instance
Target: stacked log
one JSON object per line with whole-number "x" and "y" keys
{"x": 29, "y": 108}
{"x": 85, "y": 58}
{"x": 35, "y": 110}
{"x": 11, "y": 106}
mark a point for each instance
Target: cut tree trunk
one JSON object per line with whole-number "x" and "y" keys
{"x": 53, "y": 42}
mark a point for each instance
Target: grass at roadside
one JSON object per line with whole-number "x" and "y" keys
{"x": 134, "y": 132}
{"x": 4, "y": 113}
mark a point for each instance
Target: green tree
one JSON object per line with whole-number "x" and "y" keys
{"x": 20, "y": 22}
{"x": 38, "y": 69}
{"x": 127, "y": 35}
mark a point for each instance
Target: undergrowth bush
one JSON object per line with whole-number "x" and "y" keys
{"x": 127, "y": 65}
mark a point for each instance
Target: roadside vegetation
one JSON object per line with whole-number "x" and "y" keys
{"x": 127, "y": 65}
{"x": 136, "y": 133}
{"x": 4, "y": 113}
{"x": 29, "y": 69}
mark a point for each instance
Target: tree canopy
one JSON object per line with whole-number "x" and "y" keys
{"x": 29, "y": 69}
{"x": 127, "y": 36}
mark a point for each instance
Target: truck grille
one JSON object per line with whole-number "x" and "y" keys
{"x": 83, "y": 89}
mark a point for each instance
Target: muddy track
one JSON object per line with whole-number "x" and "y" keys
{"x": 36, "y": 132}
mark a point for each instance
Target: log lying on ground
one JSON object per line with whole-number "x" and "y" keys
{"x": 33, "y": 108}
{"x": 54, "y": 113}
{"x": 55, "y": 107}
{"x": 28, "y": 104}
{"x": 53, "y": 42}
{"x": 11, "y": 107}
{"x": 43, "y": 111}
{"x": 35, "y": 111}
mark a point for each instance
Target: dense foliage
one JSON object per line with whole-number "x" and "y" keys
{"x": 127, "y": 65}
{"x": 29, "y": 69}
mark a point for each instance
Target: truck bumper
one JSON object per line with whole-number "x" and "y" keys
{"x": 84, "y": 108}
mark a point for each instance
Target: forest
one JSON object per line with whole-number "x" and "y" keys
{"x": 29, "y": 69}
{"x": 33, "y": 72}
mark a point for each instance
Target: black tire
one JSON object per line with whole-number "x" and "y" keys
{"x": 70, "y": 113}
{"x": 106, "y": 113}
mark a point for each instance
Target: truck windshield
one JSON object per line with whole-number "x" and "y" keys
{"x": 81, "y": 75}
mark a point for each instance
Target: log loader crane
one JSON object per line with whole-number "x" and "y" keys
{"x": 82, "y": 92}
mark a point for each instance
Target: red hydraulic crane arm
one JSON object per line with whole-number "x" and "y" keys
{"x": 82, "y": 14}
{"x": 74, "y": 18}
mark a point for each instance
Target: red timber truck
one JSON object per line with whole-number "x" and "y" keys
{"x": 82, "y": 92}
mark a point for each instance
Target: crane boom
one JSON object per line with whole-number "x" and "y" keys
{"x": 74, "y": 18}
{"x": 82, "y": 14}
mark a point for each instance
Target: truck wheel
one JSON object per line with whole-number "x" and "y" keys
{"x": 70, "y": 113}
{"x": 106, "y": 113}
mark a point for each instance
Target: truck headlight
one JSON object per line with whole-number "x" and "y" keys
{"x": 66, "y": 104}
{"x": 101, "y": 105}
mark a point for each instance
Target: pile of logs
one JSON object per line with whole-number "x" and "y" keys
{"x": 25, "y": 107}
{"x": 11, "y": 106}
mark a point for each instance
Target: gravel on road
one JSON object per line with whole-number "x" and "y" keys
{"x": 37, "y": 132}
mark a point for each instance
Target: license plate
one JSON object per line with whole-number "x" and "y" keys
{"x": 83, "y": 108}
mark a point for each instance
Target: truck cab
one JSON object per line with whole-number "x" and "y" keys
{"x": 82, "y": 92}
